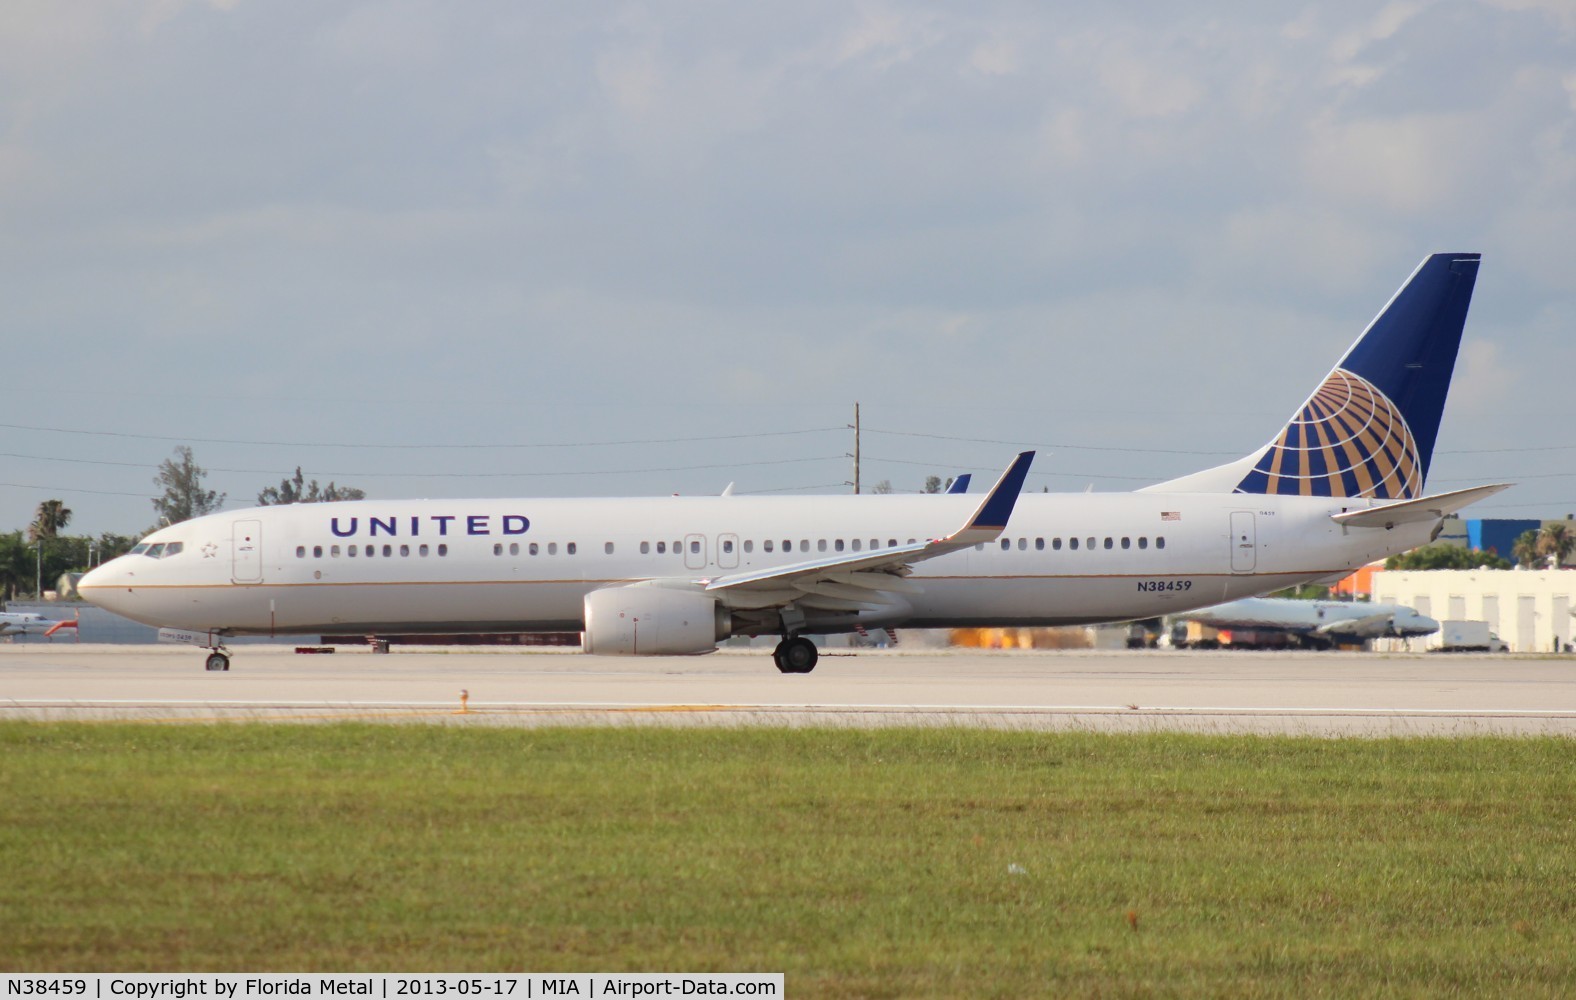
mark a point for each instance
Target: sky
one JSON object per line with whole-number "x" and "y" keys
{"x": 506, "y": 248}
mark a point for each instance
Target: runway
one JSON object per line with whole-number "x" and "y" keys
{"x": 1325, "y": 694}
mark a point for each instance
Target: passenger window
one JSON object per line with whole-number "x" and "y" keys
{"x": 1056, "y": 543}
{"x": 804, "y": 545}
{"x": 607, "y": 547}
{"x": 695, "y": 548}
{"x": 1127, "y": 543}
{"x": 891, "y": 543}
{"x": 552, "y": 548}
{"x": 372, "y": 550}
{"x": 423, "y": 549}
{"x": 333, "y": 551}
{"x": 1108, "y": 542}
{"x": 875, "y": 543}
{"x": 443, "y": 548}
{"x": 856, "y": 545}
{"x": 532, "y": 549}
{"x": 154, "y": 551}
{"x": 662, "y": 548}
{"x": 317, "y": 551}
{"x": 645, "y": 548}
{"x": 838, "y": 545}
{"x": 388, "y": 550}
{"x": 1090, "y": 543}
{"x": 1072, "y": 543}
{"x": 1143, "y": 541}
{"x": 569, "y": 549}
{"x": 1006, "y": 543}
{"x": 979, "y": 546}
{"x": 514, "y": 549}
{"x": 766, "y": 546}
{"x": 749, "y": 546}
{"x": 404, "y": 550}
{"x": 1160, "y": 542}
{"x": 351, "y": 551}
{"x": 1023, "y": 543}
{"x": 300, "y": 551}
{"x": 497, "y": 548}
{"x": 911, "y": 541}
{"x": 1039, "y": 545}
{"x": 727, "y": 546}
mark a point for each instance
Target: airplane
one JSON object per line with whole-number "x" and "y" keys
{"x": 1340, "y": 485}
{"x": 1316, "y": 624}
{"x": 15, "y": 623}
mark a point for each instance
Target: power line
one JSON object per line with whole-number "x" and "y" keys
{"x": 416, "y": 447}
{"x": 440, "y": 475}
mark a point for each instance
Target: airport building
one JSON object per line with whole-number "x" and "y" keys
{"x": 1529, "y": 609}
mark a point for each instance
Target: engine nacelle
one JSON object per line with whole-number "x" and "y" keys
{"x": 646, "y": 620}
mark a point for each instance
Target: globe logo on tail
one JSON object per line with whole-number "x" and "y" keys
{"x": 1349, "y": 440}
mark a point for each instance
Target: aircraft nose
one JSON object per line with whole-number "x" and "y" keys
{"x": 101, "y": 585}
{"x": 1426, "y": 623}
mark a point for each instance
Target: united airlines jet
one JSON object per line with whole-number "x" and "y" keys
{"x": 1342, "y": 484}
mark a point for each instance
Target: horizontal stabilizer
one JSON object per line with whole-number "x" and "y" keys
{"x": 1413, "y": 511}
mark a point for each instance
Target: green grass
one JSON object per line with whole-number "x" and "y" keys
{"x": 859, "y": 862}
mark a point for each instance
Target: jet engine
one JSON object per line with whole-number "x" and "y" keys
{"x": 647, "y": 620}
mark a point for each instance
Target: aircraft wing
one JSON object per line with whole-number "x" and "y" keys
{"x": 1411, "y": 511}
{"x": 1368, "y": 627}
{"x": 851, "y": 581}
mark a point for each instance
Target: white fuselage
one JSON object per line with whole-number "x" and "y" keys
{"x": 526, "y": 565}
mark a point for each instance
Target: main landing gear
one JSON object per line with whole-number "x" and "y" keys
{"x": 795, "y": 656}
{"x": 218, "y": 661}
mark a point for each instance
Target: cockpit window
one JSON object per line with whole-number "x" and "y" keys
{"x": 154, "y": 551}
{"x": 138, "y": 549}
{"x": 173, "y": 549}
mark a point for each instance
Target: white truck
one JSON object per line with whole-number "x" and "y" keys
{"x": 1464, "y": 637}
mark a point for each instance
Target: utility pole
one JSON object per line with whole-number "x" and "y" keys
{"x": 856, "y": 448}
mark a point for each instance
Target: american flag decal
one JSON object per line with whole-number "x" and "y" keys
{"x": 1171, "y": 515}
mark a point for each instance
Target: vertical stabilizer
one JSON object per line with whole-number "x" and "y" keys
{"x": 1369, "y": 428}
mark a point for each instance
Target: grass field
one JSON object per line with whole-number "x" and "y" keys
{"x": 859, "y": 862}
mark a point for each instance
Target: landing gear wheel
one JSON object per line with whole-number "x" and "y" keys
{"x": 218, "y": 661}
{"x": 795, "y": 656}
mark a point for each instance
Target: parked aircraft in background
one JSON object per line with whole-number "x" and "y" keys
{"x": 13, "y": 623}
{"x": 1316, "y": 624}
{"x": 1338, "y": 487}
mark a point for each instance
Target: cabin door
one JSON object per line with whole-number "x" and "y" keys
{"x": 246, "y": 547}
{"x": 1244, "y": 544}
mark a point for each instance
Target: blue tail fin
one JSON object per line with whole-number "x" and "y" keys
{"x": 1368, "y": 430}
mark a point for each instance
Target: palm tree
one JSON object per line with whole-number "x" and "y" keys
{"x": 1555, "y": 542}
{"x": 51, "y": 517}
{"x": 1525, "y": 549}
{"x": 16, "y": 564}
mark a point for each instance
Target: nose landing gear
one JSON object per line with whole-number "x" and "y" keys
{"x": 218, "y": 661}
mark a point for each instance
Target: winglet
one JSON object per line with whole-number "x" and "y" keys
{"x": 960, "y": 484}
{"x": 990, "y": 518}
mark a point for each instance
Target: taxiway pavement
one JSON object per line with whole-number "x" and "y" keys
{"x": 1289, "y": 692}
